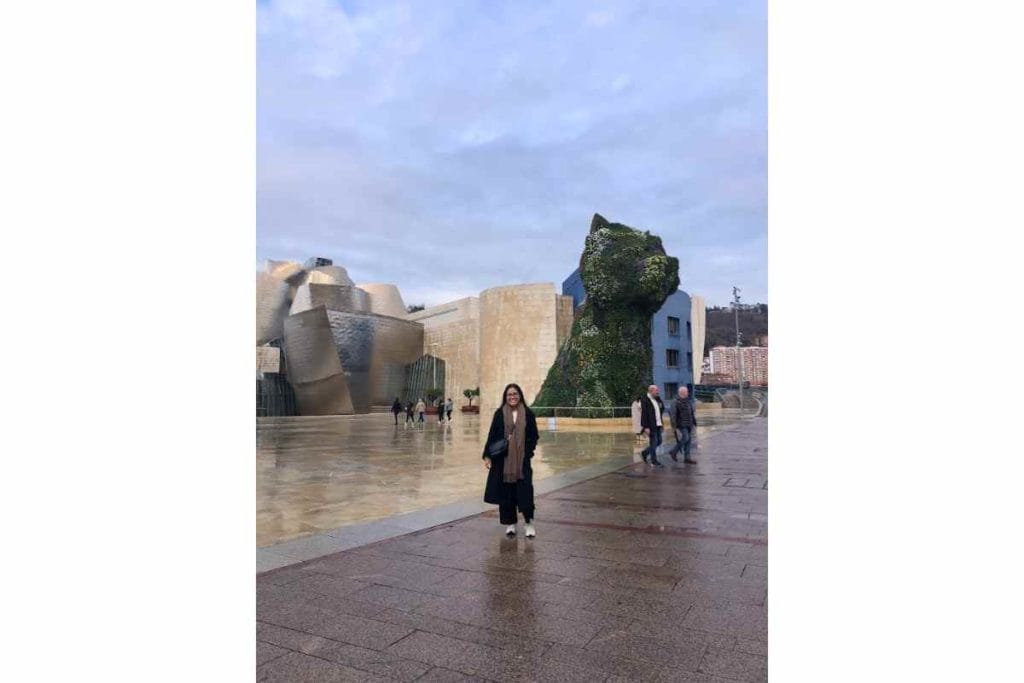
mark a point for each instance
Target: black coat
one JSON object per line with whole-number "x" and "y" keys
{"x": 683, "y": 414}
{"x": 497, "y": 492}
{"x": 648, "y": 420}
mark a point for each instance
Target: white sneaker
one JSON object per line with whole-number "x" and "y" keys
{"x": 511, "y": 531}
{"x": 530, "y": 531}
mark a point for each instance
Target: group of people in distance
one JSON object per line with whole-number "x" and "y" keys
{"x": 648, "y": 420}
{"x": 420, "y": 408}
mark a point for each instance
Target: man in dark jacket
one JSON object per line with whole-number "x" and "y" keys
{"x": 684, "y": 420}
{"x": 651, "y": 409}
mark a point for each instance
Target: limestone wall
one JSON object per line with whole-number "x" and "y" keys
{"x": 452, "y": 333}
{"x": 564, "y": 318}
{"x": 458, "y": 344}
{"x": 268, "y": 359}
{"x": 519, "y": 335}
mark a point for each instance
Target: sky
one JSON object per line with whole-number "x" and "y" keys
{"x": 452, "y": 146}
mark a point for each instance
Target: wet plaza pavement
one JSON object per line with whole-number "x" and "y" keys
{"x": 637, "y": 574}
{"x": 317, "y": 474}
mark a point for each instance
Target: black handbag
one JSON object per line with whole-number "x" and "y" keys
{"x": 496, "y": 448}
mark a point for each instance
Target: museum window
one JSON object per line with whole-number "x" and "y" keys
{"x": 671, "y": 388}
{"x": 689, "y": 360}
{"x": 672, "y": 358}
{"x": 673, "y": 326}
{"x": 689, "y": 332}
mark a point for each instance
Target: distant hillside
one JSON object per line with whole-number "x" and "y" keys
{"x": 721, "y": 326}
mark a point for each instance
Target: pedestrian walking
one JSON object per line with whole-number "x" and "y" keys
{"x": 652, "y": 408}
{"x": 448, "y": 405}
{"x": 396, "y": 408}
{"x": 684, "y": 421}
{"x": 440, "y": 409}
{"x": 510, "y": 444}
{"x": 635, "y": 413}
{"x": 408, "y": 413}
{"x": 421, "y": 408}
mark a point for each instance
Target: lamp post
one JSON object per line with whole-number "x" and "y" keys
{"x": 739, "y": 353}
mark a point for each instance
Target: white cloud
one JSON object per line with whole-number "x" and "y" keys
{"x": 396, "y": 139}
{"x": 600, "y": 19}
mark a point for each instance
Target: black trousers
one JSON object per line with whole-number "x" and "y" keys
{"x": 507, "y": 514}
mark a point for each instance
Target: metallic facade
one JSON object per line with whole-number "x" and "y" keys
{"x": 374, "y": 351}
{"x": 385, "y": 299}
{"x": 272, "y": 301}
{"x": 345, "y": 349}
{"x": 331, "y": 297}
{"x": 314, "y": 368}
{"x": 328, "y": 275}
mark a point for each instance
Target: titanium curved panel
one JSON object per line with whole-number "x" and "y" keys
{"x": 518, "y": 340}
{"x": 331, "y": 297}
{"x": 375, "y": 351}
{"x": 328, "y": 275}
{"x": 286, "y": 271}
{"x": 313, "y": 366}
{"x": 272, "y": 297}
{"x": 385, "y": 299}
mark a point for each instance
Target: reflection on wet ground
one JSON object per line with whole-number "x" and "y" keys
{"x": 640, "y": 574}
{"x": 319, "y": 473}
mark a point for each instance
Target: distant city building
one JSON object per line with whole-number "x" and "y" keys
{"x": 725, "y": 364}
{"x": 676, "y": 330}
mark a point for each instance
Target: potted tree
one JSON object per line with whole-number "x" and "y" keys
{"x": 470, "y": 393}
{"x": 433, "y": 394}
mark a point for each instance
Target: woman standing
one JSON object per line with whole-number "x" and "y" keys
{"x": 510, "y": 476}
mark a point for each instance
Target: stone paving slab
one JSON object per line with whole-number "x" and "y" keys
{"x": 638, "y": 574}
{"x": 355, "y": 535}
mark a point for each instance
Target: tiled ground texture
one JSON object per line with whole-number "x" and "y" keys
{"x": 635, "y": 575}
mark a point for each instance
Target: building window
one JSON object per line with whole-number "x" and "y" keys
{"x": 689, "y": 360}
{"x": 673, "y": 326}
{"x": 689, "y": 332}
{"x": 671, "y": 389}
{"x": 672, "y": 358}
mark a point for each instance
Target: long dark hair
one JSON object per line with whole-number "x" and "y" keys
{"x": 504, "y": 394}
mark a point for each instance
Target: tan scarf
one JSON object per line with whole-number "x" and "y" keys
{"x": 515, "y": 433}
